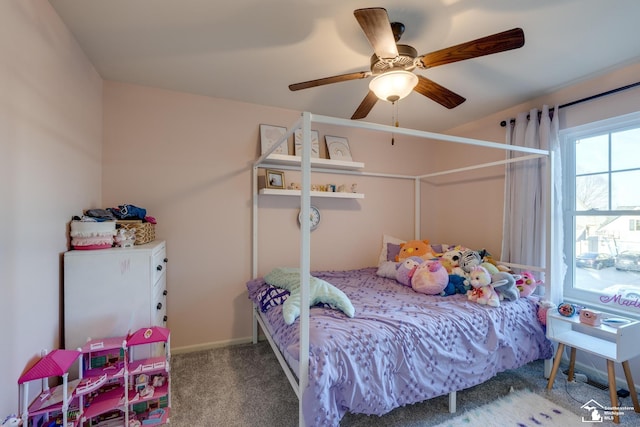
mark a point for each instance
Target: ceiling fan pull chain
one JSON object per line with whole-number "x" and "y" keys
{"x": 394, "y": 120}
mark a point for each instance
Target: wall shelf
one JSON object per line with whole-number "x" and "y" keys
{"x": 288, "y": 160}
{"x": 328, "y": 194}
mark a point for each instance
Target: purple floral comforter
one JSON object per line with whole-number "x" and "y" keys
{"x": 402, "y": 347}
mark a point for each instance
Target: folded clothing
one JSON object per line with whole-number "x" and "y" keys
{"x": 92, "y": 234}
{"x": 128, "y": 212}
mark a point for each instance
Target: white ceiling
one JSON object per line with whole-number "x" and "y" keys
{"x": 251, "y": 50}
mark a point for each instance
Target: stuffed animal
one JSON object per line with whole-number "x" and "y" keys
{"x": 11, "y": 421}
{"x": 451, "y": 259}
{"x": 469, "y": 259}
{"x": 456, "y": 285}
{"x": 526, "y": 284}
{"x": 406, "y": 268}
{"x": 505, "y": 286}
{"x": 419, "y": 248}
{"x": 482, "y": 292}
{"x": 430, "y": 278}
{"x": 491, "y": 268}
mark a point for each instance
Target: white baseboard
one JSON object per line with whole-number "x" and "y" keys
{"x": 209, "y": 345}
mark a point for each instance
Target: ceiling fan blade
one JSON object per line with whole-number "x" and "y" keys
{"x": 437, "y": 93}
{"x": 375, "y": 24}
{"x": 328, "y": 80}
{"x": 500, "y": 42}
{"x": 365, "y": 106}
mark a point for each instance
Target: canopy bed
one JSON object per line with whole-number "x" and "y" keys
{"x": 377, "y": 345}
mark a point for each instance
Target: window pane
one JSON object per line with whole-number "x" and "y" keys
{"x": 607, "y": 258}
{"x": 592, "y": 154}
{"x": 592, "y": 192}
{"x": 625, "y": 149}
{"x": 625, "y": 190}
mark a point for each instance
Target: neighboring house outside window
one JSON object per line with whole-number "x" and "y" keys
{"x": 601, "y": 211}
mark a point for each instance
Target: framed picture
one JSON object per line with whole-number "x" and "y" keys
{"x": 338, "y": 148}
{"x": 274, "y": 179}
{"x": 315, "y": 145}
{"x": 269, "y": 135}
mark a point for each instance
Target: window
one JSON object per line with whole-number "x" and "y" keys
{"x": 601, "y": 214}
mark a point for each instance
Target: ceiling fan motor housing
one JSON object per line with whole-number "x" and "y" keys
{"x": 404, "y": 60}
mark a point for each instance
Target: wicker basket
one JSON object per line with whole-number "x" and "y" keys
{"x": 145, "y": 231}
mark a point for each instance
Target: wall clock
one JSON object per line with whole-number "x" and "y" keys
{"x": 314, "y": 217}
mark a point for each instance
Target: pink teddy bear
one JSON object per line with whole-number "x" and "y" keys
{"x": 482, "y": 292}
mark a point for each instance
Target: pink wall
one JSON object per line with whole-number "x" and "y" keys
{"x": 50, "y": 169}
{"x": 188, "y": 158}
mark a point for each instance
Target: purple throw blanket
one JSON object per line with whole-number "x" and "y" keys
{"x": 402, "y": 347}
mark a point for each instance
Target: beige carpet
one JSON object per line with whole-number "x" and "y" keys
{"x": 244, "y": 386}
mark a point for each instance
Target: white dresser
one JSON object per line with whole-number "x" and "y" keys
{"x": 109, "y": 292}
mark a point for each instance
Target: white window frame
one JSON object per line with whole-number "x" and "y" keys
{"x": 567, "y": 139}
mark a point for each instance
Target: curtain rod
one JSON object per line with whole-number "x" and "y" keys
{"x": 580, "y": 101}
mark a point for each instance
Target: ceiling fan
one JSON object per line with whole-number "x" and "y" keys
{"x": 392, "y": 64}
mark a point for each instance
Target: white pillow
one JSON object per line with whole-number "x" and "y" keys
{"x": 387, "y": 239}
{"x": 388, "y": 269}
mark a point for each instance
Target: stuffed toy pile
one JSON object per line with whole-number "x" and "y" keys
{"x": 448, "y": 270}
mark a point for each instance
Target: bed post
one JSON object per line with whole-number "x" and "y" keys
{"x": 418, "y": 219}
{"x": 254, "y": 244}
{"x": 551, "y": 257}
{"x": 305, "y": 261}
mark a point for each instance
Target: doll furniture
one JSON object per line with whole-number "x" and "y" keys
{"x": 117, "y": 385}
{"x": 52, "y": 403}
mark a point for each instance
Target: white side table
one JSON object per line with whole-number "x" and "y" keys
{"x": 615, "y": 344}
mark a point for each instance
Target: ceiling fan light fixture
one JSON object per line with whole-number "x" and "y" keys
{"x": 393, "y": 85}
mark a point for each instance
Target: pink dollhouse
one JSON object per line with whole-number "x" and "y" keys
{"x": 113, "y": 388}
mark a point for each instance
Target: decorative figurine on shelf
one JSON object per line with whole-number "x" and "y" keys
{"x": 354, "y": 188}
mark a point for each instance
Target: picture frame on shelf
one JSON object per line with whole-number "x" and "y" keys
{"x": 315, "y": 144}
{"x": 269, "y": 135}
{"x": 338, "y": 148}
{"x": 274, "y": 179}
